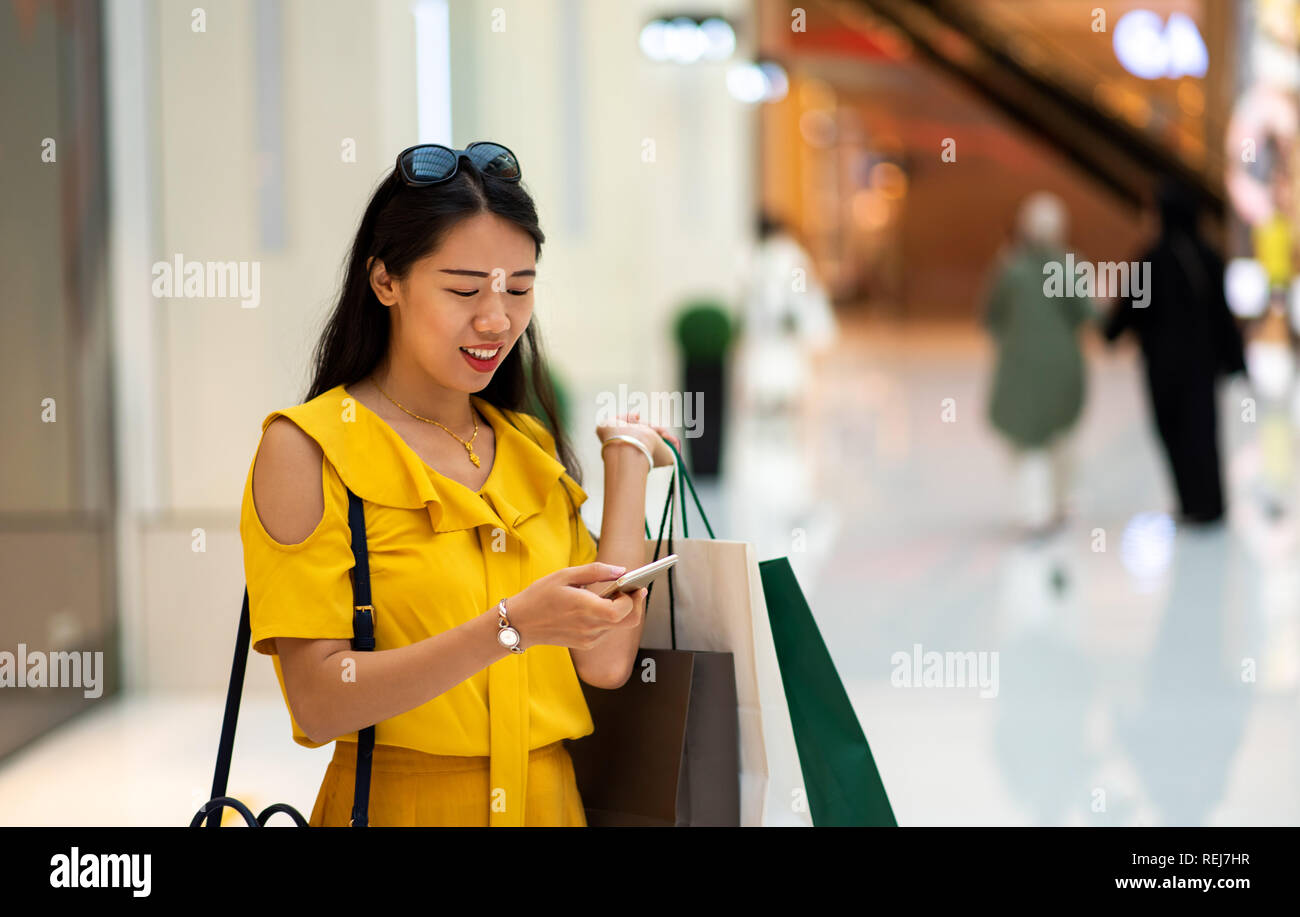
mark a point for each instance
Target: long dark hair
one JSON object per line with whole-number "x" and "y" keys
{"x": 402, "y": 225}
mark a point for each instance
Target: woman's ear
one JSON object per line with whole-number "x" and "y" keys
{"x": 385, "y": 287}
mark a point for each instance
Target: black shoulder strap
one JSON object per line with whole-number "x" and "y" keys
{"x": 363, "y": 639}
{"x": 233, "y": 692}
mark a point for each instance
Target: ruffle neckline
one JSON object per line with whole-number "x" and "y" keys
{"x": 379, "y": 466}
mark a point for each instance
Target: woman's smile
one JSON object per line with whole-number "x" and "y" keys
{"x": 483, "y": 359}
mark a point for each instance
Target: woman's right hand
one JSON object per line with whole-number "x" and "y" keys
{"x": 557, "y": 610}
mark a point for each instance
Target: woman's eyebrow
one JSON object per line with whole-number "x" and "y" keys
{"x": 446, "y": 270}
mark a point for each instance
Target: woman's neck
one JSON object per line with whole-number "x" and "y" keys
{"x": 413, "y": 391}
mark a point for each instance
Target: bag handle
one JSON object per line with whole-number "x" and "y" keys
{"x": 683, "y": 482}
{"x": 363, "y": 629}
{"x": 672, "y": 602}
{"x": 213, "y": 808}
{"x": 666, "y": 521}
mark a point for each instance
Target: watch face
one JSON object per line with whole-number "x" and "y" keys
{"x": 508, "y": 636}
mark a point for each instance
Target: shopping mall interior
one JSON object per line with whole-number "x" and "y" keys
{"x": 850, "y": 190}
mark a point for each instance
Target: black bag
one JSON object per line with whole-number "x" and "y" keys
{"x": 363, "y": 639}
{"x": 665, "y": 752}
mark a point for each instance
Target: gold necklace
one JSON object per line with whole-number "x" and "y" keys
{"x": 469, "y": 446}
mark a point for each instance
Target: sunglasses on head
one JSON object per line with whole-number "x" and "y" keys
{"x": 431, "y": 163}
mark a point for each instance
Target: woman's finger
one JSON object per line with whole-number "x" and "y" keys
{"x": 635, "y": 613}
{"x": 663, "y": 431}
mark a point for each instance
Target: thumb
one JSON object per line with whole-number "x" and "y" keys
{"x": 594, "y": 572}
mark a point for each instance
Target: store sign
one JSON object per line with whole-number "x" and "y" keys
{"x": 1150, "y": 48}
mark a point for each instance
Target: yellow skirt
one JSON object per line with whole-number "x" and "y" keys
{"x": 410, "y": 788}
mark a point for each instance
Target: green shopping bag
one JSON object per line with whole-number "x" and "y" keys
{"x": 840, "y": 775}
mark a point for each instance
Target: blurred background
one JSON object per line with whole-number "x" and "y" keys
{"x": 826, "y": 223}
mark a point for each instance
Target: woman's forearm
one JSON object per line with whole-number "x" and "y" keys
{"x": 346, "y": 690}
{"x": 622, "y": 542}
{"x": 622, "y": 525}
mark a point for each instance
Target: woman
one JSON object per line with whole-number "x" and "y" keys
{"x": 417, "y": 406}
{"x": 1039, "y": 381}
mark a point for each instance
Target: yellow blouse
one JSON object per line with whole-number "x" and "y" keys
{"x": 440, "y": 554}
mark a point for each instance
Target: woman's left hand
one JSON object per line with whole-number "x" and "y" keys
{"x": 651, "y": 437}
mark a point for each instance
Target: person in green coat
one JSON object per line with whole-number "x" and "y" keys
{"x": 1038, "y": 385}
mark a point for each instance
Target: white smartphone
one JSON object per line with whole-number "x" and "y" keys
{"x": 633, "y": 580}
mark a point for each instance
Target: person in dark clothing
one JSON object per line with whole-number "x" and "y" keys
{"x": 1188, "y": 338}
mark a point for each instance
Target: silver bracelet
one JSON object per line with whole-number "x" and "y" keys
{"x": 624, "y": 438}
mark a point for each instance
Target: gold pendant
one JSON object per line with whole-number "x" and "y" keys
{"x": 472, "y": 457}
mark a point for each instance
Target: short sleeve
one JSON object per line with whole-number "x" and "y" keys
{"x": 304, "y": 589}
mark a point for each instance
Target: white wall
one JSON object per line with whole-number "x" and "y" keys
{"x": 626, "y": 240}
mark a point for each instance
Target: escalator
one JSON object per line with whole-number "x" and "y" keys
{"x": 994, "y": 49}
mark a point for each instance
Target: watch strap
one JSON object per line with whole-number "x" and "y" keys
{"x": 503, "y": 622}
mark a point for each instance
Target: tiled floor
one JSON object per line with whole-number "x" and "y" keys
{"x": 1153, "y": 682}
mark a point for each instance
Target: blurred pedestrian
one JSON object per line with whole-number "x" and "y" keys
{"x": 775, "y": 459}
{"x": 1188, "y": 338}
{"x": 786, "y": 320}
{"x": 1038, "y": 385}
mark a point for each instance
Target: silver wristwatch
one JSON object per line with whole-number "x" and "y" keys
{"x": 507, "y": 636}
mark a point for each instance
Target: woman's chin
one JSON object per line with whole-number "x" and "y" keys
{"x": 473, "y": 382}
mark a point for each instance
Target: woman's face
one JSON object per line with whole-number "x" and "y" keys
{"x": 473, "y": 293}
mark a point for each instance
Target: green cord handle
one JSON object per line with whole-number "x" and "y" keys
{"x": 684, "y": 480}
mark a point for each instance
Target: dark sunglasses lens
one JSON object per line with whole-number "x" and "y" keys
{"x": 494, "y": 159}
{"x": 429, "y": 163}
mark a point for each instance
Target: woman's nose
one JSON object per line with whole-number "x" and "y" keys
{"x": 492, "y": 320}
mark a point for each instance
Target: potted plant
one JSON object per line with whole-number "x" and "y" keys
{"x": 704, "y": 331}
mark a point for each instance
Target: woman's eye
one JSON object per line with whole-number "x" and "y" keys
{"x": 472, "y": 292}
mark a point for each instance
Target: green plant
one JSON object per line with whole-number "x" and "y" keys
{"x": 704, "y": 331}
